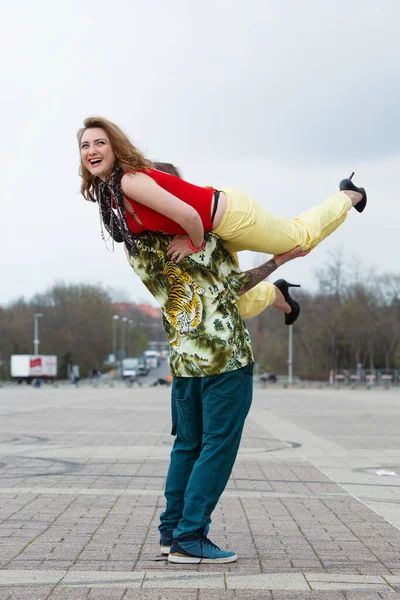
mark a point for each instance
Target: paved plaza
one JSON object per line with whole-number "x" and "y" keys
{"x": 312, "y": 507}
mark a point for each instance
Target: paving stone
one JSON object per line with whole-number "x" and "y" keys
{"x": 31, "y": 593}
{"x": 164, "y": 595}
{"x": 292, "y": 581}
{"x": 70, "y": 594}
{"x": 30, "y": 577}
{"x": 103, "y": 579}
{"x": 311, "y": 595}
{"x": 363, "y": 595}
{"x": 217, "y": 594}
{"x": 5, "y": 593}
{"x": 96, "y": 594}
{"x": 248, "y": 594}
{"x": 184, "y": 579}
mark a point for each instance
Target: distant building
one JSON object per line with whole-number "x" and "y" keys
{"x": 125, "y": 308}
{"x": 146, "y": 316}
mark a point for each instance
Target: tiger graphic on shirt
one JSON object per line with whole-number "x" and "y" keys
{"x": 184, "y": 308}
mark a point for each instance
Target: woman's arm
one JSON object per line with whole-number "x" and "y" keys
{"x": 145, "y": 190}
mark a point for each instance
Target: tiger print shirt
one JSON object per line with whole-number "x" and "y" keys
{"x": 206, "y": 332}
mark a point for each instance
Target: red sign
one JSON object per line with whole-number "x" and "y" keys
{"x": 35, "y": 362}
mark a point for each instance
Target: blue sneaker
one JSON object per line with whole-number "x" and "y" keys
{"x": 196, "y": 548}
{"x": 166, "y": 537}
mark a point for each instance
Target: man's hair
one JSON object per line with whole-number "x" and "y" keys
{"x": 168, "y": 168}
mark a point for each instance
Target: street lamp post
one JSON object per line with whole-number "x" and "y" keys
{"x": 129, "y": 337}
{"x": 290, "y": 356}
{"x": 115, "y": 319}
{"x": 36, "y": 342}
{"x": 123, "y": 338}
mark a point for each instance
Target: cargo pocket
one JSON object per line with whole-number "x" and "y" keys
{"x": 219, "y": 416}
{"x": 174, "y": 415}
{"x": 228, "y": 401}
{"x": 182, "y": 417}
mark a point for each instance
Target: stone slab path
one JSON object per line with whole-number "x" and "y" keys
{"x": 312, "y": 507}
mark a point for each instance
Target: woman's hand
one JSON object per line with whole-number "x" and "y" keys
{"x": 179, "y": 249}
{"x": 143, "y": 189}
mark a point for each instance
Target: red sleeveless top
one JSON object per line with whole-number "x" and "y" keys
{"x": 199, "y": 197}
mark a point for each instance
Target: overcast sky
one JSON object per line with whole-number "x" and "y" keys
{"x": 282, "y": 98}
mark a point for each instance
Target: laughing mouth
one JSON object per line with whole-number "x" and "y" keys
{"x": 95, "y": 161}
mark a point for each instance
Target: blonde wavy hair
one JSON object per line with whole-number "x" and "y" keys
{"x": 128, "y": 156}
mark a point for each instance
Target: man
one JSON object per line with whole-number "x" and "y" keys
{"x": 203, "y": 300}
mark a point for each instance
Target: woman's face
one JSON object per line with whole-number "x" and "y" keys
{"x": 96, "y": 152}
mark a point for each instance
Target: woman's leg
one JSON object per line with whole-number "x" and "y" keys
{"x": 248, "y": 226}
{"x": 258, "y": 298}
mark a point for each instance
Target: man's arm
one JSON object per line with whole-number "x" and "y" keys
{"x": 260, "y": 273}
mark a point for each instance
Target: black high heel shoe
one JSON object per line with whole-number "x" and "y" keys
{"x": 347, "y": 184}
{"x": 284, "y": 286}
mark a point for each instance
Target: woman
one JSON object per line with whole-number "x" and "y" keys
{"x": 119, "y": 176}
{"x": 157, "y": 201}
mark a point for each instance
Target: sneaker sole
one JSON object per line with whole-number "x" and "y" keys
{"x": 165, "y": 549}
{"x": 195, "y": 560}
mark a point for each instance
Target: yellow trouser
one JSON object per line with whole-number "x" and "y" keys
{"x": 248, "y": 226}
{"x": 253, "y": 302}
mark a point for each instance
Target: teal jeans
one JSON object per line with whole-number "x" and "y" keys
{"x": 208, "y": 415}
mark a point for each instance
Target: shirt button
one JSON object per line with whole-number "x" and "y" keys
{"x": 213, "y": 490}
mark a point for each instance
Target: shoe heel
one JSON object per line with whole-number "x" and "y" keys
{"x": 293, "y": 285}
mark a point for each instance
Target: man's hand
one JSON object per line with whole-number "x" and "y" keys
{"x": 179, "y": 249}
{"x": 297, "y": 252}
